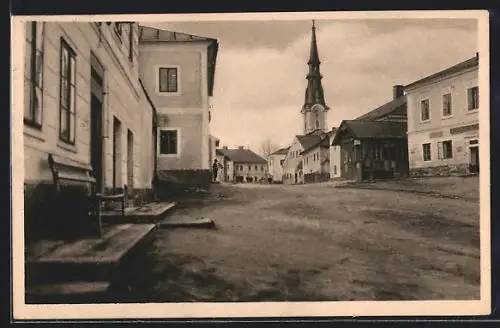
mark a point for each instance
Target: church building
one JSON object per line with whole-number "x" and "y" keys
{"x": 314, "y": 113}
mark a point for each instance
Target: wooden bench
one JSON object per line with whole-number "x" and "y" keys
{"x": 68, "y": 171}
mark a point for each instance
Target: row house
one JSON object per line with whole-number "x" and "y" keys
{"x": 275, "y": 164}
{"x": 443, "y": 121}
{"x": 316, "y": 160}
{"x": 374, "y": 145}
{"x": 83, "y": 101}
{"x": 242, "y": 165}
{"x": 178, "y": 71}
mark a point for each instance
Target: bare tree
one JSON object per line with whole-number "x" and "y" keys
{"x": 267, "y": 148}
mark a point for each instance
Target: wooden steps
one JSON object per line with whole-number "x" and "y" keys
{"x": 68, "y": 292}
{"x": 82, "y": 269}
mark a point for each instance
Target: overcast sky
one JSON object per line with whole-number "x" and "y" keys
{"x": 261, "y": 68}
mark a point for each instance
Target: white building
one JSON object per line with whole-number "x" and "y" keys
{"x": 443, "y": 121}
{"x": 275, "y": 164}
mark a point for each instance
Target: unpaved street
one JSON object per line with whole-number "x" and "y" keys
{"x": 315, "y": 242}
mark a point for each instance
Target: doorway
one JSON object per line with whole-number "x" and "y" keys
{"x": 130, "y": 158}
{"x": 117, "y": 160}
{"x": 96, "y": 127}
{"x": 474, "y": 159}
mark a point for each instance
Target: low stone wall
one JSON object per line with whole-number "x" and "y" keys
{"x": 174, "y": 182}
{"x": 441, "y": 170}
{"x": 316, "y": 177}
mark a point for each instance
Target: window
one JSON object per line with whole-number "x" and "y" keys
{"x": 447, "y": 105}
{"x": 118, "y": 30}
{"x": 445, "y": 150}
{"x": 317, "y": 124}
{"x": 168, "y": 81}
{"x": 473, "y": 98}
{"x": 262, "y": 168}
{"x": 424, "y": 110}
{"x": 281, "y": 162}
{"x": 256, "y": 168}
{"x": 33, "y": 107}
{"x": 249, "y": 167}
{"x": 67, "y": 92}
{"x": 426, "y": 149}
{"x": 131, "y": 43}
{"x": 169, "y": 140}
{"x": 335, "y": 169}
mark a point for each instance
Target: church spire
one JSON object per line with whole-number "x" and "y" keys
{"x": 314, "y": 108}
{"x": 314, "y": 91}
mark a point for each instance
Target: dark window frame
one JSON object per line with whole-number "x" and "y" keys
{"x": 447, "y": 105}
{"x": 426, "y": 152}
{"x": 131, "y": 43}
{"x": 168, "y": 87}
{"x": 70, "y": 112}
{"x": 170, "y": 142}
{"x": 473, "y": 98}
{"x": 35, "y": 80}
{"x": 427, "y": 110}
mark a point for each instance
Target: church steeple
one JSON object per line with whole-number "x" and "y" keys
{"x": 314, "y": 108}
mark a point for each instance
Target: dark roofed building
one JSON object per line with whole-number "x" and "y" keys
{"x": 244, "y": 165}
{"x": 374, "y": 145}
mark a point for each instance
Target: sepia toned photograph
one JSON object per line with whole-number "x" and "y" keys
{"x": 243, "y": 162}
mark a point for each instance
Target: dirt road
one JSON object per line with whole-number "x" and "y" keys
{"x": 315, "y": 242}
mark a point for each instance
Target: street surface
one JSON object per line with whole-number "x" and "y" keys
{"x": 314, "y": 243}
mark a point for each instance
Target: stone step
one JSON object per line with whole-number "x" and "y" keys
{"x": 90, "y": 259}
{"x": 151, "y": 213}
{"x": 68, "y": 292}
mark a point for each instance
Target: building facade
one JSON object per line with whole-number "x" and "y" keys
{"x": 178, "y": 72}
{"x": 316, "y": 161}
{"x": 243, "y": 165}
{"x": 334, "y": 157}
{"x": 84, "y": 102}
{"x": 374, "y": 145}
{"x": 275, "y": 164}
{"x": 443, "y": 121}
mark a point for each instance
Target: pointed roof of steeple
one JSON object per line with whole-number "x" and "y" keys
{"x": 314, "y": 56}
{"x": 314, "y": 91}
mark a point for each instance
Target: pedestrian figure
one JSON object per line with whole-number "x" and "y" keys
{"x": 215, "y": 168}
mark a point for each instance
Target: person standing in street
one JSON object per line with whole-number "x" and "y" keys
{"x": 215, "y": 168}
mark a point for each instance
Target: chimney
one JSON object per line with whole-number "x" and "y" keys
{"x": 224, "y": 147}
{"x": 241, "y": 147}
{"x": 397, "y": 91}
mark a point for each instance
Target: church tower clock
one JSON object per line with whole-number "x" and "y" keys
{"x": 314, "y": 109}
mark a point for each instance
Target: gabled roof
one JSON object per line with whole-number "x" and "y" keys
{"x": 309, "y": 140}
{"x": 152, "y": 35}
{"x": 384, "y": 110}
{"x": 371, "y": 130}
{"x": 281, "y": 151}
{"x": 462, "y": 66}
{"x": 244, "y": 156}
{"x": 324, "y": 142}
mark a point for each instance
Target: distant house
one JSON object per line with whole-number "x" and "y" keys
{"x": 83, "y": 101}
{"x": 443, "y": 121}
{"x": 243, "y": 165}
{"x": 275, "y": 164}
{"x": 178, "y": 72}
{"x": 293, "y": 165}
{"x": 375, "y": 144}
{"x": 316, "y": 160}
{"x": 334, "y": 156}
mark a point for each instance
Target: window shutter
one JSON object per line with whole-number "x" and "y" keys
{"x": 440, "y": 150}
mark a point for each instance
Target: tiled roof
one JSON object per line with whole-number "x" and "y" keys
{"x": 384, "y": 110}
{"x": 309, "y": 140}
{"x": 372, "y": 129}
{"x": 282, "y": 151}
{"x": 469, "y": 63}
{"x": 245, "y": 156}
